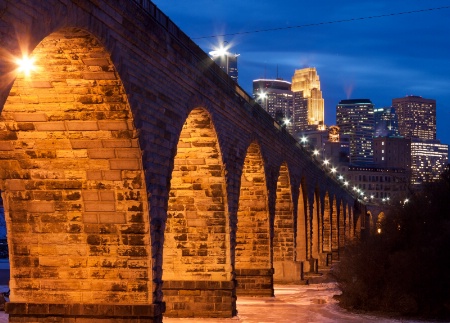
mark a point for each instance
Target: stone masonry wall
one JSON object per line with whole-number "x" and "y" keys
{"x": 74, "y": 186}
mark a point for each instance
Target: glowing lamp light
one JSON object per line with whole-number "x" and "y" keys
{"x": 379, "y": 230}
{"x": 304, "y": 140}
{"x": 326, "y": 162}
{"x": 333, "y": 170}
{"x": 341, "y": 177}
{"x": 221, "y": 50}
{"x": 25, "y": 65}
{"x": 286, "y": 121}
{"x": 315, "y": 152}
{"x": 346, "y": 183}
{"x": 406, "y": 201}
{"x": 262, "y": 95}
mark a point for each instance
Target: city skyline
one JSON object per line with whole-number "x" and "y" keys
{"x": 379, "y": 59}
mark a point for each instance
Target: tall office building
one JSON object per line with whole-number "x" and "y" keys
{"x": 226, "y": 61}
{"x": 276, "y": 97}
{"x": 416, "y": 117}
{"x": 428, "y": 160}
{"x": 355, "y": 118}
{"x": 306, "y": 81}
{"x": 417, "y": 121}
{"x": 386, "y": 122}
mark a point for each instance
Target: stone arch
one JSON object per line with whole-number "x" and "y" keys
{"x": 284, "y": 263}
{"x": 369, "y": 222}
{"x": 342, "y": 227}
{"x": 381, "y": 218}
{"x": 316, "y": 227}
{"x": 73, "y": 182}
{"x": 197, "y": 234}
{"x": 303, "y": 240}
{"x": 326, "y": 223}
{"x": 254, "y": 273}
{"x": 350, "y": 221}
{"x": 334, "y": 229}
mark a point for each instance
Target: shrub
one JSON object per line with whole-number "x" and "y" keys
{"x": 405, "y": 269}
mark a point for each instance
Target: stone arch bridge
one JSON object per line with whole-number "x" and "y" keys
{"x": 138, "y": 179}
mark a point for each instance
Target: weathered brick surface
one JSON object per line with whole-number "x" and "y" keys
{"x": 200, "y": 299}
{"x": 326, "y": 224}
{"x": 127, "y": 141}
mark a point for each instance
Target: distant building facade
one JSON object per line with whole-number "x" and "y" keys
{"x": 285, "y": 106}
{"x": 276, "y": 97}
{"x": 386, "y": 122}
{"x": 379, "y": 184}
{"x": 306, "y": 84}
{"x": 328, "y": 144}
{"x": 392, "y": 152}
{"x": 227, "y": 61}
{"x": 416, "y": 117}
{"x": 428, "y": 160}
{"x": 356, "y": 118}
{"x": 417, "y": 121}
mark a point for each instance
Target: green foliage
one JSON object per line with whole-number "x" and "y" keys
{"x": 406, "y": 268}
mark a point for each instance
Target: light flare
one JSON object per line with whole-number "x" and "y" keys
{"x": 25, "y": 65}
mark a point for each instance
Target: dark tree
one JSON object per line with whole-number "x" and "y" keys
{"x": 405, "y": 269}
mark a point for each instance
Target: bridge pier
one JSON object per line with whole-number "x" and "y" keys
{"x": 99, "y": 313}
{"x": 254, "y": 282}
{"x": 200, "y": 298}
{"x": 288, "y": 272}
{"x": 325, "y": 259}
{"x": 311, "y": 265}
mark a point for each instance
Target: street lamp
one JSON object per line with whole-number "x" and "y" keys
{"x": 262, "y": 97}
{"x": 25, "y": 65}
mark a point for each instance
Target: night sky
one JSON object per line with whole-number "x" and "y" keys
{"x": 378, "y": 58}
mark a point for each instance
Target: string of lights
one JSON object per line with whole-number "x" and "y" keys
{"x": 358, "y": 192}
{"x": 325, "y": 22}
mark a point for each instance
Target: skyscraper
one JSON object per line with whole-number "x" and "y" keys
{"x": 306, "y": 81}
{"x": 428, "y": 160}
{"x": 416, "y": 116}
{"x": 276, "y": 97}
{"x": 417, "y": 121}
{"x": 386, "y": 122}
{"x": 355, "y": 118}
{"x": 226, "y": 61}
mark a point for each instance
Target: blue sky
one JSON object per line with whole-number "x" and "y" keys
{"x": 378, "y": 59}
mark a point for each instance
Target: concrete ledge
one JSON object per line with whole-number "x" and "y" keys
{"x": 85, "y": 310}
